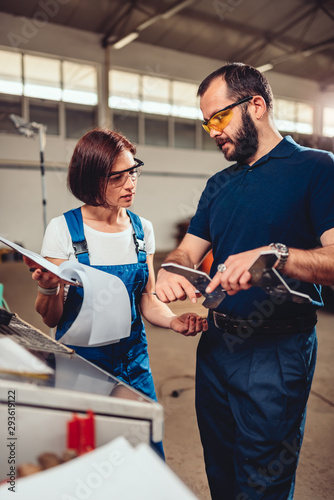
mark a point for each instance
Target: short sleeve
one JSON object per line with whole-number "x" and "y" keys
{"x": 322, "y": 194}
{"x": 199, "y": 224}
{"x": 148, "y": 235}
{"x": 57, "y": 241}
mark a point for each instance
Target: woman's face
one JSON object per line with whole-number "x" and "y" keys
{"x": 121, "y": 189}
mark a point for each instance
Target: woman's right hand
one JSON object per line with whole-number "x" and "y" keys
{"x": 48, "y": 304}
{"x": 45, "y": 278}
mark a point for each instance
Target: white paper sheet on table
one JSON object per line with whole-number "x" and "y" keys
{"x": 113, "y": 471}
{"x": 105, "y": 314}
{"x": 17, "y": 360}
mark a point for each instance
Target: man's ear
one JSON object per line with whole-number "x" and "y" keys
{"x": 259, "y": 107}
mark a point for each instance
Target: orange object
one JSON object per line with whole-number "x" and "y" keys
{"x": 81, "y": 433}
{"x": 207, "y": 263}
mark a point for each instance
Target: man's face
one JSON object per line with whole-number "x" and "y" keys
{"x": 239, "y": 139}
{"x": 245, "y": 141}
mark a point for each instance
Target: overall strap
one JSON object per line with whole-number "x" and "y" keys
{"x": 138, "y": 236}
{"x": 75, "y": 226}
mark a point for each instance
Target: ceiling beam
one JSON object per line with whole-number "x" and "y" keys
{"x": 268, "y": 39}
{"x": 122, "y": 17}
{"x": 305, "y": 52}
{"x": 129, "y": 37}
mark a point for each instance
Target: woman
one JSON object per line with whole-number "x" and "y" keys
{"x": 103, "y": 174}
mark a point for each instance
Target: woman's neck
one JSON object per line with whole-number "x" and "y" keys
{"x": 107, "y": 220}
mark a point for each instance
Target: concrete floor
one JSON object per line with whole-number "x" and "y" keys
{"x": 173, "y": 365}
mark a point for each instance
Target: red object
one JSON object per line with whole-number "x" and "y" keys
{"x": 81, "y": 433}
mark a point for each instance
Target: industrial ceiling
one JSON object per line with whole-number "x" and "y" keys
{"x": 294, "y": 37}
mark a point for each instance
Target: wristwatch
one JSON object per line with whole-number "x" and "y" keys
{"x": 283, "y": 253}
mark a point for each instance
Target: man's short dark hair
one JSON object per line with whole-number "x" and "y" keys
{"x": 242, "y": 81}
{"x": 92, "y": 161}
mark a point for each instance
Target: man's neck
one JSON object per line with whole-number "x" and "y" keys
{"x": 267, "y": 142}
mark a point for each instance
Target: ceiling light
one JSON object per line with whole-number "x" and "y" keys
{"x": 174, "y": 10}
{"x": 265, "y": 67}
{"x": 126, "y": 40}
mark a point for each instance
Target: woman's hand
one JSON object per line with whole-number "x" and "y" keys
{"x": 189, "y": 324}
{"x": 45, "y": 279}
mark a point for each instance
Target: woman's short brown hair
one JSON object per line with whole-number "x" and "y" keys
{"x": 92, "y": 161}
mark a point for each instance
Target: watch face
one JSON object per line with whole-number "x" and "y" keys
{"x": 281, "y": 247}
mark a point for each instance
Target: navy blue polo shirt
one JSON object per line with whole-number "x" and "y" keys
{"x": 287, "y": 196}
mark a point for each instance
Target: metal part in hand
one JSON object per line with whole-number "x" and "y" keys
{"x": 200, "y": 280}
{"x": 265, "y": 276}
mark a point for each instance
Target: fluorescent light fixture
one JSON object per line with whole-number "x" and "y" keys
{"x": 265, "y": 67}
{"x": 174, "y": 10}
{"x": 126, "y": 40}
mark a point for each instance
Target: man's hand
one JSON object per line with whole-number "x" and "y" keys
{"x": 171, "y": 287}
{"x": 189, "y": 324}
{"x": 236, "y": 276}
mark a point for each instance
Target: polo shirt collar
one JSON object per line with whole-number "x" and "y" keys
{"x": 284, "y": 149}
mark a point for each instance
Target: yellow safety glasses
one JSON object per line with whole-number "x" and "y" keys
{"x": 221, "y": 119}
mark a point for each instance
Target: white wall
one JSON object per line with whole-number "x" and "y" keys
{"x": 165, "y": 200}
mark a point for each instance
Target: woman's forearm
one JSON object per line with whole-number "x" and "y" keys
{"x": 156, "y": 312}
{"x": 50, "y": 307}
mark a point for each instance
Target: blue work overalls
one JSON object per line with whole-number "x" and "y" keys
{"x": 127, "y": 359}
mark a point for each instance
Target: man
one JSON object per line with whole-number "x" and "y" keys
{"x": 256, "y": 362}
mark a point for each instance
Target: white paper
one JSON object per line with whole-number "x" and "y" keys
{"x": 16, "y": 359}
{"x": 105, "y": 314}
{"x": 41, "y": 261}
{"x": 113, "y": 471}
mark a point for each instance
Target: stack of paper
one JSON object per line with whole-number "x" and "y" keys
{"x": 114, "y": 471}
{"x": 17, "y": 360}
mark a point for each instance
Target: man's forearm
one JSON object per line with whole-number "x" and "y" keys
{"x": 180, "y": 257}
{"x": 313, "y": 266}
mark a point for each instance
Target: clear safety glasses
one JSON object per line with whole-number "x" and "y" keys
{"x": 118, "y": 179}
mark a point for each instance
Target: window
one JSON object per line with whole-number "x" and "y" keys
{"x": 48, "y": 78}
{"x": 156, "y": 131}
{"x": 79, "y": 83}
{"x": 42, "y": 77}
{"x": 124, "y": 90}
{"x": 79, "y": 119}
{"x": 292, "y": 116}
{"x": 328, "y": 122}
{"x": 153, "y": 94}
{"x": 46, "y": 113}
{"x": 9, "y": 105}
{"x": 156, "y": 95}
{"x": 185, "y": 103}
{"x": 185, "y": 134}
{"x": 10, "y": 73}
{"x": 126, "y": 123}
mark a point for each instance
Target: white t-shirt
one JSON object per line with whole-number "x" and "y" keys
{"x": 105, "y": 249}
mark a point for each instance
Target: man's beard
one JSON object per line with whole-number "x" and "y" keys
{"x": 246, "y": 141}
